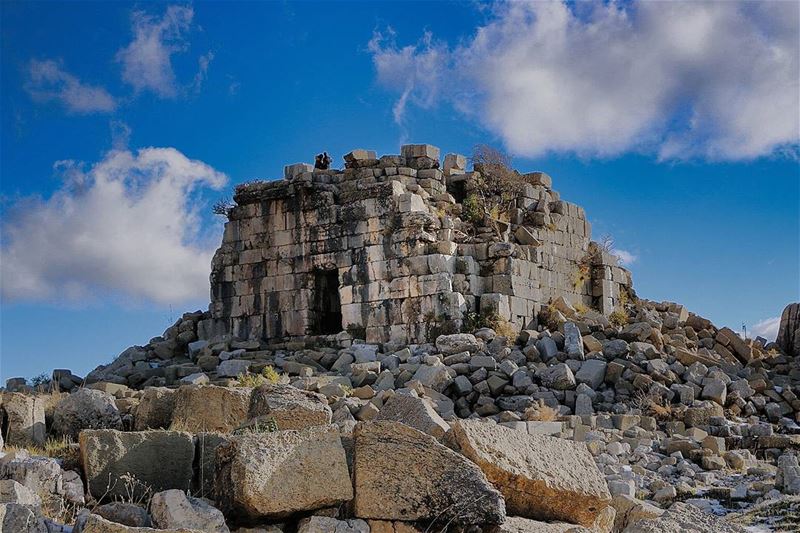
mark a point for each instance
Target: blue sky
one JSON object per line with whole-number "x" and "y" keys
{"x": 674, "y": 124}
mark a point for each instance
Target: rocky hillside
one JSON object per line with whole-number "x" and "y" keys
{"x": 658, "y": 421}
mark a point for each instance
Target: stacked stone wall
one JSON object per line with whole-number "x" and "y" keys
{"x": 389, "y": 233}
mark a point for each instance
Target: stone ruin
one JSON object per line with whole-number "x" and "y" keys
{"x": 379, "y": 250}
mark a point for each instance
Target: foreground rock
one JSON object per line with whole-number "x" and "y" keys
{"x": 173, "y": 509}
{"x": 98, "y": 524}
{"x": 291, "y": 408}
{"x": 85, "y": 409}
{"x": 540, "y": 477}
{"x": 404, "y": 474}
{"x": 210, "y": 408}
{"x": 684, "y": 518}
{"x": 272, "y": 475}
{"x": 515, "y": 524}
{"x": 18, "y": 518}
{"x": 160, "y": 460}
{"x": 324, "y": 524}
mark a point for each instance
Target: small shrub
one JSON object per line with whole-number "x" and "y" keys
{"x": 580, "y": 277}
{"x": 471, "y": 210}
{"x": 223, "y": 207}
{"x": 542, "y": 413}
{"x": 581, "y": 308}
{"x": 42, "y": 382}
{"x": 501, "y": 326}
{"x": 654, "y": 406}
{"x": 258, "y": 425}
{"x": 268, "y": 375}
{"x": 618, "y": 318}
{"x": 551, "y": 226}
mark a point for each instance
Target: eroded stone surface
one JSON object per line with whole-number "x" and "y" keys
{"x": 272, "y": 475}
{"x": 540, "y": 477}
{"x": 403, "y": 474}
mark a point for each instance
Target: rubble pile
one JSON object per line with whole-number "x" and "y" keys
{"x": 519, "y": 405}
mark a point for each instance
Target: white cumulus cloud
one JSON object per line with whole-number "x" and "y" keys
{"x": 719, "y": 80}
{"x": 147, "y": 60}
{"x": 47, "y": 80}
{"x": 767, "y": 328}
{"x": 128, "y": 226}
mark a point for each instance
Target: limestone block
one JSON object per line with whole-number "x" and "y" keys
{"x": 86, "y": 409}
{"x": 159, "y": 459}
{"x": 404, "y": 474}
{"x": 454, "y": 162}
{"x": 21, "y": 519}
{"x": 516, "y": 524}
{"x": 292, "y": 171}
{"x": 291, "y": 408}
{"x": 592, "y": 372}
{"x": 210, "y": 408}
{"x": 539, "y": 178}
{"x": 174, "y": 509}
{"x": 155, "y": 409}
{"x": 272, "y": 475}
{"x": 326, "y": 524}
{"x": 97, "y": 524}
{"x": 684, "y": 518}
{"x": 410, "y": 202}
{"x": 414, "y": 412}
{"x": 25, "y": 419}
{"x": 540, "y": 477}
{"x": 419, "y": 150}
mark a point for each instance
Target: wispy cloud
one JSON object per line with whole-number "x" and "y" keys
{"x": 202, "y": 70}
{"x": 126, "y": 226}
{"x": 625, "y": 257}
{"x": 717, "y": 80}
{"x": 47, "y": 80}
{"x": 147, "y": 60}
{"x": 767, "y": 328}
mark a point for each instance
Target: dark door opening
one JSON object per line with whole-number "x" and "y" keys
{"x": 459, "y": 190}
{"x": 326, "y": 308}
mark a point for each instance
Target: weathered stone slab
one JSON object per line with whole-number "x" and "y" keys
{"x": 25, "y": 419}
{"x": 86, "y": 409}
{"x": 210, "y": 408}
{"x": 540, "y": 477}
{"x": 684, "y": 518}
{"x": 155, "y": 409}
{"x": 272, "y": 475}
{"x": 174, "y": 509}
{"x": 98, "y": 524}
{"x": 404, "y": 474}
{"x": 415, "y": 412}
{"x": 160, "y": 460}
{"x": 292, "y": 408}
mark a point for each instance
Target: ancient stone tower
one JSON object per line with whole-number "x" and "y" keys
{"x": 382, "y": 251}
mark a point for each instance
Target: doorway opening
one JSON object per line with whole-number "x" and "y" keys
{"x": 458, "y": 189}
{"x": 326, "y": 308}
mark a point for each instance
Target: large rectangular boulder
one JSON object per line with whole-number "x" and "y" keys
{"x": 273, "y": 475}
{"x": 404, "y": 474}
{"x": 210, "y": 408}
{"x": 159, "y": 460}
{"x": 290, "y": 407}
{"x": 543, "y": 478}
{"x": 24, "y": 417}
